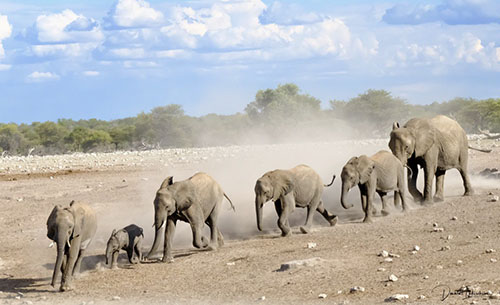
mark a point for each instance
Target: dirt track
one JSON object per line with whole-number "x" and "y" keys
{"x": 244, "y": 270}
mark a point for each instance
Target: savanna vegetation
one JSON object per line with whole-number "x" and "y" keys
{"x": 276, "y": 115}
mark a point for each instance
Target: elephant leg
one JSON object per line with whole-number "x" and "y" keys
{"x": 397, "y": 199}
{"x": 331, "y": 218}
{"x": 78, "y": 263}
{"x": 429, "y": 172}
{"x": 196, "y": 221}
{"x": 288, "y": 202}
{"x": 114, "y": 260}
{"x": 439, "y": 196}
{"x": 138, "y": 249}
{"x": 412, "y": 183}
{"x": 313, "y": 205}
{"x": 214, "y": 236}
{"x": 383, "y": 198}
{"x": 220, "y": 238}
{"x": 370, "y": 191}
{"x": 469, "y": 191}
{"x": 130, "y": 254}
{"x": 64, "y": 261}
{"x": 74, "y": 250}
{"x": 169, "y": 233}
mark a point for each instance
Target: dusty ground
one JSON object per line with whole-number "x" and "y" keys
{"x": 121, "y": 188}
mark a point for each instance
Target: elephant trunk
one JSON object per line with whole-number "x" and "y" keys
{"x": 258, "y": 212}
{"x": 61, "y": 243}
{"x": 345, "y": 190}
{"x": 156, "y": 243}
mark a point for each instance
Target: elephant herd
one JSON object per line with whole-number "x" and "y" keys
{"x": 435, "y": 144}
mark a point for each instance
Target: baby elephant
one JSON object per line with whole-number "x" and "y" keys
{"x": 380, "y": 173}
{"x": 128, "y": 239}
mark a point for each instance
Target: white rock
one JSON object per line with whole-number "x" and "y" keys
{"x": 322, "y": 296}
{"x": 426, "y": 277}
{"x": 454, "y": 218}
{"x": 310, "y": 262}
{"x": 311, "y": 245}
{"x": 439, "y": 267}
{"x": 262, "y": 298}
{"x": 51, "y": 245}
{"x": 438, "y": 229}
{"x": 416, "y": 248}
{"x": 397, "y": 297}
{"x": 435, "y": 225}
{"x": 445, "y": 248}
{"x": 357, "y": 288}
{"x": 381, "y": 269}
{"x": 470, "y": 222}
{"x": 393, "y": 278}
{"x": 231, "y": 263}
{"x": 116, "y": 298}
{"x": 491, "y": 251}
{"x": 388, "y": 260}
{"x": 414, "y": 252}
{"x": 421, "y": 297}
{"x": 493, "y": 198}
{"x": 495, "y": 296}
{"x": 384, "y": 253}
{"x": 493, "y": 260}
{"x": 460, "y": 262}
{"x": 449, "y": 237}
{"x": 394, "y": 255}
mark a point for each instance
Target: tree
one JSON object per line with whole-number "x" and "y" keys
{"x": 481, "y": 115}
{"x": 11, "y": 139}
{"x": 51, "y": 134}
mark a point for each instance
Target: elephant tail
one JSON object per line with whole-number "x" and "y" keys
{"x": 480, "y": 149}
{"x": 232, "y": 205}
{"x": 327, "y": 185}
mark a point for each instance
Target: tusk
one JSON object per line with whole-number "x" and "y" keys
{"x": 153, "y": 225}
{"x": 69, "y": 245}
{"x": 163, "y": 224}
{"x": 51, "y": 245}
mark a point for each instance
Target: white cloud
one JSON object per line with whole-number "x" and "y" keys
{"x": 63, "y": 50}
{"x": 135, "y": 53}
{"x": 91, "y": 73}
{"x": 133, "y": 14}
{"x": 5, "y": 32}
{"x": 4, "y": 67}
{"x": 42, "y": 76}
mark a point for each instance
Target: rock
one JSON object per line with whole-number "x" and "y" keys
{"x": 478, "y": 236}
{"x": 51, "y": 245}
{"x": 449, "y": 237}
{"x": 493, "y": 260}
{"x": 388, "y": 260}
{"x": 262, "y": 298}
{"x": 493, "y": 198}
{"x": 426, "y": 277}
{"x": 384, "y": 253}
{"x": 357, "y": 289}
{"x": 322, "y": 296}
{"x": 397, "y": 297}
{"x": 491, "y": 251}
{"x": 421, "y": 297}
{"x": 435, "y": 225}
{"x": 470, "y": 222}
{"x": 311, "y": 245}
{"x": 310, "y": 262}
{"x": 454, "y": 218}
{"x": 381, "y": 269}
{"x": 460, "y": 262}
{"x": 393, "y": 278}
{"x": 439, "y": 267}
{"x": 414, "y": 252}
{"x": 116, "y": 298}
{"x": 445, "y": 248}
{"x": 416, "y": 248}
{"x": 495, "y": 296}
{"x": 394, "y": 255}
{"x": 438, "y": 230}
{"x": 231, "y": 263}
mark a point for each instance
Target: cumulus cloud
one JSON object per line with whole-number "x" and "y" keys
{"x": 37, "y": 76}
{"x": 452, "y": 12}
{"x": 133, "y": 14}
{"x": 91, "y": 73}
{"x": 5, "y": 32}
{"x": 287, "y": 14}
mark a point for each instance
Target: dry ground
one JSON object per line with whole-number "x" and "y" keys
{"x": 245, "y": 269}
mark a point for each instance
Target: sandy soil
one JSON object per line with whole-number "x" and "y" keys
{"x": 121, "y": 188}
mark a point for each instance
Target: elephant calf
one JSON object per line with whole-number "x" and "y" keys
{"x": 300, "y": 187}
{"x": 380, "y": 173}
{"x": 197, "y": 201}
{"x": 72, "y": 228}
{"x": 129, "y": 239}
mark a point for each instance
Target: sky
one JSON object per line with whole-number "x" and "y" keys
{"x": 110, "y": 59}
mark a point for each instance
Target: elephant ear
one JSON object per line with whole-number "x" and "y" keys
{"x": 365, "y": 168}
{"x": 78, "y": 217}
{"x": 282, "y": 183}
{"x": 395, "y": 125}
{"x": 168, "y": 181}
{"x": 51, "y": 221}
{"x": 114, "y": 232}
{"x": 353, "y": 160}
{"x": 424, "y": 135}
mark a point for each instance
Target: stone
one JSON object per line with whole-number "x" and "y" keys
{"x": 439, "y": 267}
{"x": 394, "y": 255}
{"x": 357, "y": 289}
{"x": 435, "y": 225}
{"x": 426, "y": 277}
{"x": 445, "y": 248}
{"x": 493, "y": 260}
{"x": 495, "y": 296}
{"x": 262, "y": 298}
{"x": 416, "y": 248}
{"x": 388, "y": 260}
{"x": 322, "y": 296}
{"x": 438, "y": 229}
{"x": 384, "y": 253}
{"x": 231, "y": 263}
{"x": 454, "y": 218}
{"x": 393, "y": 278}
{"x": 381, "y": 269}
{"x": 421, "y": 297}
{"x": 397, "y": 297}
{"x": 116, "y": 298}
{"x": 470, "y": 222}
{"x": 310, "y": 262}
{"x": 491, "y": 251}
{"x": 493, "y": 198}
{"x": 311, "y": 245}
{"x": 460, "y": 262}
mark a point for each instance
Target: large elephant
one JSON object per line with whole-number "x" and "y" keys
{"x": 300, "y": 187}
{"x": 197, "y": 201}
{"x": 381, "y": 173}
{"x": 72, "y": 228}
{"x": 436, "y": 144}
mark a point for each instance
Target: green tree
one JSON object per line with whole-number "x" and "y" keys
{"x": 11, "y": 139}
{"x": 481, "y": 115}
{"x": 51, "y": 134}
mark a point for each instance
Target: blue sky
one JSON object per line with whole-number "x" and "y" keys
{"x": 113, "y": 59}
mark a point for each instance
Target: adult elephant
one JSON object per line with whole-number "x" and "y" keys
{"x": 197, "y": 201}
{"x": 72, "y": 228}
{"x": 436, "y": 144}
{"x": 300, "y": 187}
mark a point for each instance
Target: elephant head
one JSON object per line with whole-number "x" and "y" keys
{"x": 271, "y": 186}
{"x": 63, "y": 225}
{"x": 356, "y": 171}
{"x": 411, "y": 141}
{"x": 112, "y": 246}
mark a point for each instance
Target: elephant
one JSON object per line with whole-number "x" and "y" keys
{"x": 381, "y": 173}
{"x": 72, "y": 228}
{"x": 129, "y": 239}
{"x": 436, "y": 144}
{"x": 300, "y": 187}
{"x": 196, "y": 200}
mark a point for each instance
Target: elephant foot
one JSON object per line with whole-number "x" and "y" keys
{"x": 286, "y": 234}
{"x": 469, "y": 193}
{"x": 367, "y": 220}
{"x": 305, "y": 230}
{"x": 212, "y": 247}
{"x": 374, "y": 212}
{"x": 385, "y": 213}
{"x": 333, "y": 221}
{"x": 169, "y": 259}
{"x": 427, "y": 203}
{"x": 66, "y": 287}
{"x": 438, "y": 199}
